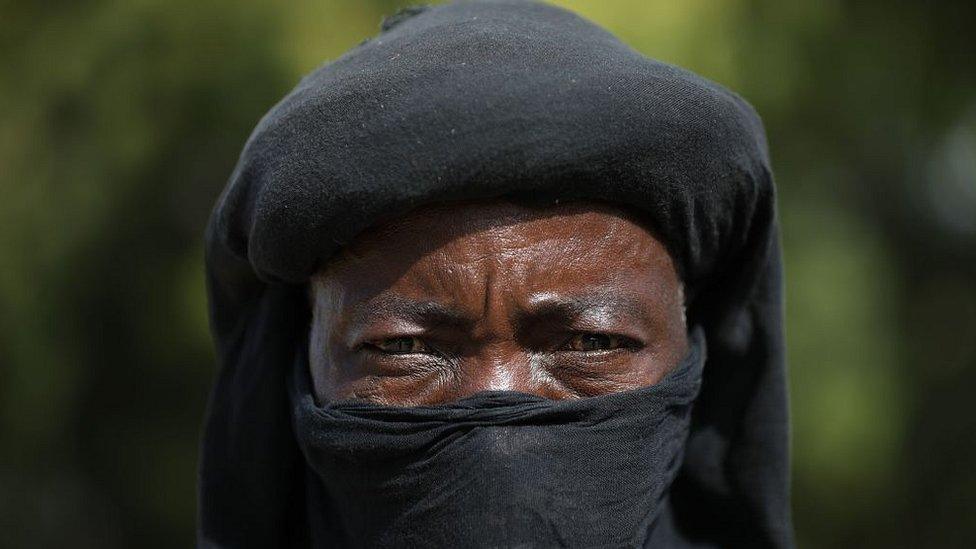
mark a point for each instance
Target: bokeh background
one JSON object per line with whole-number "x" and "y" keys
{"x": 120, "y": 121}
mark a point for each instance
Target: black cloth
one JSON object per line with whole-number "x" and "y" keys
{"x": 500, "y": 469}
{"x": 480, "y": 100}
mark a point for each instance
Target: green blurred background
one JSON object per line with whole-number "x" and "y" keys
{"x": 121, "y": 120}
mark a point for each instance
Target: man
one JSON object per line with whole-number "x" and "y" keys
{"x": 564, "y": 301}
{"x": 462, "y": 283}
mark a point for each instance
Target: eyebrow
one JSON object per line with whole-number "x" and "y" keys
{"x": 564, "y": 308}
{"x": 424, "y": 312}
{"x": 549, "y": 307}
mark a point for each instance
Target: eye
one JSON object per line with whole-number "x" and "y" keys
{"x": 591, "y": 342}
{"x": 400, "y": 345}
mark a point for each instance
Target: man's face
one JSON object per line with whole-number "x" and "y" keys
{"x": 561, "y": 302}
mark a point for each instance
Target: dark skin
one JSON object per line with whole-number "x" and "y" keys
{"x": 565, "y": 301}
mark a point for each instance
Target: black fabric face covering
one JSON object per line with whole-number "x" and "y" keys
{"x": 500, "y": 468}
{"x": 479, "y": 100}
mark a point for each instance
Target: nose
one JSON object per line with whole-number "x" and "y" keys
{"x": 507, "y": 371}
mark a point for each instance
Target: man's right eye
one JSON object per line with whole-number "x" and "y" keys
{"x": 400, "y": 345}
{"x": 591, "y": 342}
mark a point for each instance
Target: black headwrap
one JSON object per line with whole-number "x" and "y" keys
{"x": 480, "y": 100}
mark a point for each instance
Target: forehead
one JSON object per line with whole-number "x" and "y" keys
{"x": 440, "y": 248}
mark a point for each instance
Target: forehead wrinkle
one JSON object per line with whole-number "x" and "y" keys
{"x": 449, "y": 272}
{"x": 487, "y": 244}
{"x": 423, "y": 311}
{"x": 606, "y": 234}
{"x": 523, "y": 256}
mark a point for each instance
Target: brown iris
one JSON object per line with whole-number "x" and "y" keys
{"x": 591, "y": 342}
{"x": 400, "y": 345}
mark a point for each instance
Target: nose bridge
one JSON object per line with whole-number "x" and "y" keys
{"x": 500, "y": 363}
{"x": 501, "y": 366}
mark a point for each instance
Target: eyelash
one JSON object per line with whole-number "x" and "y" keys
{"x": 614, "y": 341}
{"x": 376, "y": 346}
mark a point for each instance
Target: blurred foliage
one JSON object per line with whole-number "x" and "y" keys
{"x": 120, "y": 121}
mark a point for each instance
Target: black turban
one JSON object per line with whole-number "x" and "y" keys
{"x": 477, "y": 100}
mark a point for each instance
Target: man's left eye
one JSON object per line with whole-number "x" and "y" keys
{"x": 589, "y": 342}
{"x": 401, "y": 345}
